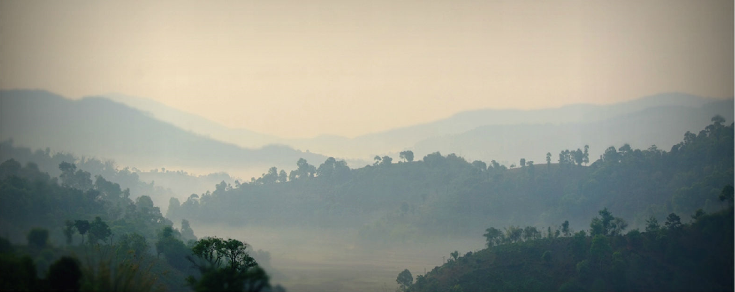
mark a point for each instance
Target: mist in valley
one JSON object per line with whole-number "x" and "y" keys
{"x": 367, "y": 146}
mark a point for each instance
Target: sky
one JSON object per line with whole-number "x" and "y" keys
{"x": 299, "y": 69}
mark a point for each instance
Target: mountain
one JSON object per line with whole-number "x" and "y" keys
{"x": 471, "y": 122}
{"x": 100, "y": 127}
{"x": 504, "y": 135}
{"x": 661, "y": 126}
{"x": 194, "y": 123}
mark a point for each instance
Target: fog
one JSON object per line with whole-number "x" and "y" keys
{"x": 305, "y": 259}
{"x": 408, "y": 146}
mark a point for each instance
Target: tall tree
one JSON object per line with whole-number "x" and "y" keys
{"x": 407, "y": 155}
{"x": 405, "y": 280}
{"x": 82, "y": 226}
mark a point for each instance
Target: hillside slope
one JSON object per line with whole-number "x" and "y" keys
{"x": 102, "y": 128}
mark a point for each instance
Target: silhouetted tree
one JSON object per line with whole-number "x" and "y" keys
{"x": 493, "y": 236}
{"x": 225, "y": 265}
{"x": 673, "y": 221}
{"x": 405, "y": 280}
{"x": 98, "y": 230}
{"x": 38, "y": 238}
{"x": 69, "y": 231}
{"x": 727, "y": 193}
{"x": 407, "y": 155}
{"x": 82, "y": 226}
{"x": 65, "y": 274}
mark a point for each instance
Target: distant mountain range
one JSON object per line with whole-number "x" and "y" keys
{"x": 502, "y": 135}
{"x": 102, "y": 128}
{"x": 146, "y": 134}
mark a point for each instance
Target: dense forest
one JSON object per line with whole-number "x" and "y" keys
{"x": 70, "y": 224}
{"x": 665, "y": 257}
{"x": 449, "y": 196}
{"x": 84, "y": 233}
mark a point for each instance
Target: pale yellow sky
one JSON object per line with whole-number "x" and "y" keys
{"x": 303, "y": 68}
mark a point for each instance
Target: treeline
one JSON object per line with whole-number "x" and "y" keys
{"x": 673, "y": 256}
{"x": 88, "y": 234}
{"x": 158, "y": 184}
{"x": 449, "y": 196}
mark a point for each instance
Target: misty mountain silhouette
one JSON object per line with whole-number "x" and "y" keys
{"x": 102, "y": 128}
{"x": 486, "y": 134}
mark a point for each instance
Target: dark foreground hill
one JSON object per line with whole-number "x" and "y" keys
{"x": 666, "y": 257}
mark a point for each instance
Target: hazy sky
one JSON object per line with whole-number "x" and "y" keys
{"x": 303, "y": 68}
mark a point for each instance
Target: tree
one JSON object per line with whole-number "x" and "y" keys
{"x": 405, "y": 280}
{"x": 548, "y": 158}
{"x": 304, "y": 169}
{"x": 407, "y": 155}
{"x": 493, "y": 236}
{"x": 186, "y": 232}
{"x": 546, "y": 256}
{"x": 75, "y": 178}
{"x": 600, "y": 248}
{"x": 98, "y": 230}
{"x": 479, "y": 164}
{"x": 718, "y": 120}
{"x": 132, "y": 242}
{"x": 565, "y": 228}
{"x": 173, "y": 248}
{"x": 69, "y": 231}
{"x": 652, "y": 225}
{"x": 282, "y": 176}
{"x": 38, "y": 238}
{"x": 727, "y": 194}
{"x": 586, "y": 155}
{"x": 454, "y": 255}
{"x": 82, "y": 226}
{"x": 607, "y": 224}
{"x": 386, "y": 160}
{"x": 531, "y": 233}
{"x": 225, "y": 265}
{"x": 513, "y": 234}
{"x": 65, "y": 274}
{"x": 673, "y": 222}
{"x": 578, "y": 156}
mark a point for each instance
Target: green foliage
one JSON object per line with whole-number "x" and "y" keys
{"x": 104, "y": 271}
{"x": 38, "y": 238}
{"x": 82, "y": 226}
{"x": 132, "y": 242}
{"x": 607, "y": 224}
{"x": 65, "y": 274}
{"x": 727, "y": 194}
{"x": 174, "y": 250}
{"x": 673, "y": 221}
{"x": 494, "y": 236}
{"x": 546, "y": 256}
{"x": 187, "y": 233}
{"x": 225, "y": 265}
{"x": 98, "y": 230}
{"x": 406, "y": 155}
{"x": 18, "y": 273}
{"x": 698, "y": 258}
{"x": 405, "y": 280}
{"x": 69, "y": 230}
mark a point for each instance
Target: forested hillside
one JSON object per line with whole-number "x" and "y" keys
{"x": 87, "y": 233}
{"x": 447, "y": 195}
{"x": 670, "y": 256}
{"x": 158, "y": 184}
